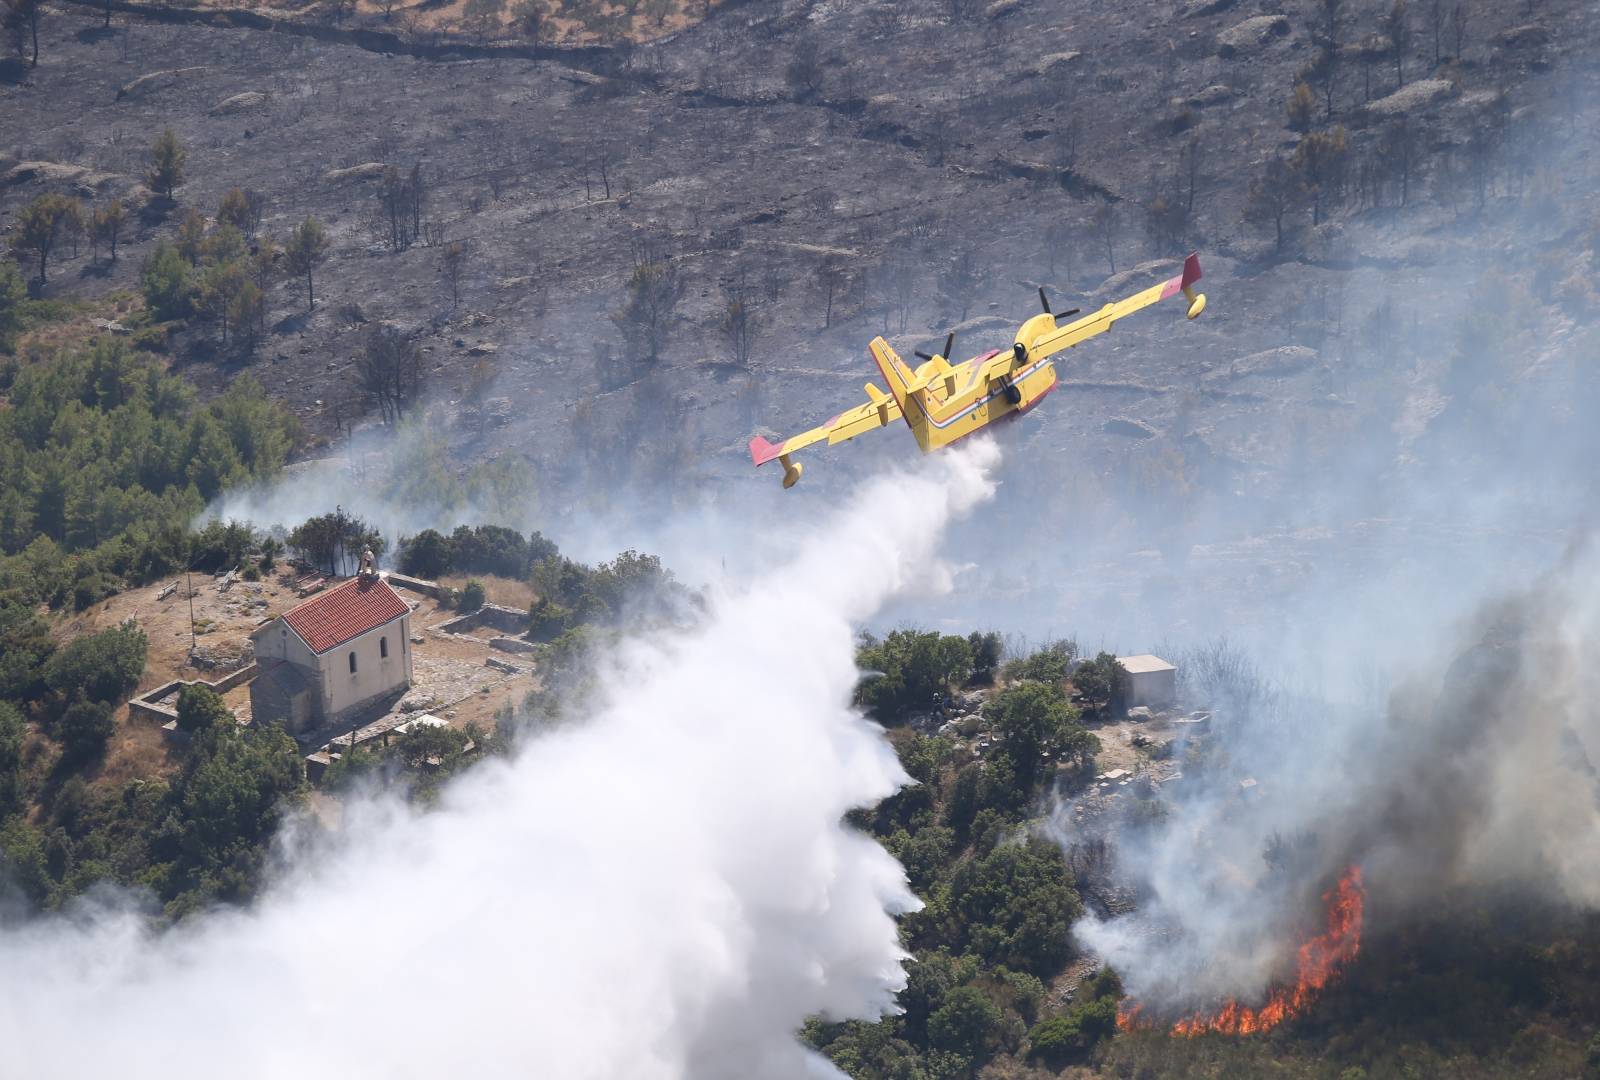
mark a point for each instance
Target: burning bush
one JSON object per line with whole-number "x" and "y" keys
{"x": 1320, "y": 958}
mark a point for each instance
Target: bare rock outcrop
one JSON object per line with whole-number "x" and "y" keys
{"x": 156, "y": 80}
{"x": 1133, "y": 429}
{"x": 249, "y": 99}
{"x": 1248, "y": 35}
{"x": 1054, "y": 60}
{"x": 1284, "y": 360}
{"x": 1215, "y": 94}
{"x": 44, "y": 172}
{"x": 370, "y": 170}
{"x": 1123, "y": 280}
{"x": 1527, "y": 35}
{"x": 83, "y": 181}
{"x": 1194, "y": 9}
{"x": 1411, "y": 98}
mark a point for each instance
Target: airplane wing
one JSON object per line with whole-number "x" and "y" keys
{"x": 1035, "y": 341}
{"x": 1047, "y": 338}
{"x": 879, "y": 410}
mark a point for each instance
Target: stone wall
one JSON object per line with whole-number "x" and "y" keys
{"x": 505, "y": 619}
{"x": 414, "y": 584}
{"x": 147, "y": 705}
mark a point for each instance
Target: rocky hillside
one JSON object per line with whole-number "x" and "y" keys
{"x": 850, "y": 169}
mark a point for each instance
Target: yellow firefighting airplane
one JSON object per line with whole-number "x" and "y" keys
{"x": 942, "y": 402}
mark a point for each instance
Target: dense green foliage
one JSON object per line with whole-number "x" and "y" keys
{"x": 910, "y": 671}
{"x": 25, "y": 645}
{"x": 1039, "y": 726}
{"x": 1482, "y": 990}
{"x": 417, "y": 763}
{"x": 70, "y": 692}
{"x": 165, "y": 280}
{"x": 999, "y": 902}
{"x": 217, "y": 275}
{"x": 571, "y": 594}
{"x": 13, "y": 294}
{"x": 1101, "y": 682}
{"x": 333, "y": 542}
{"x": 425, "y": 555}
{"x": 480, "y": 549}
{"x": 1014, "y": 907}
{"x": 99, "y": 667}
{"x": 564, "y": 598}
{"x": 1091, "y": 1019}
{"x": 219, "y": 545}
{"x": 12, "y": 730}
{"x": 966, "y": 1024}
{"x": 201, "y": 838}
{"x": 200, "y": 707}
{"x": 107, "y": 458}
{"x": 987, "y": 649}
{"x": 472, "y": 596}
{"x": 83, "y": 730}
{"x": 1053, "y": 663}
{"x": 231, "y": 796}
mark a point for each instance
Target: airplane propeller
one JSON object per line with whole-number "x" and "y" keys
{"x": 949, "y": 346}
{"x": 1045, "y": 303}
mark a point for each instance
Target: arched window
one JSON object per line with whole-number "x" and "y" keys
{"x": 352, "y": 663}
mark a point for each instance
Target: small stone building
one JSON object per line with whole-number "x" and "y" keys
{"x": 329, "y": 658}
{"x": 1151, "y": 681}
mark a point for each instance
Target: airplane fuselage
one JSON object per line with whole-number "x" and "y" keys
{"x": 943, "y": 403}
{"x": 979, "y": 394}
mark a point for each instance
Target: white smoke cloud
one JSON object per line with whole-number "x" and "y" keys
{"x": 404, "y": 480}
{"x": 663, "y": 891}
{"x": 1473, "y": 778}
{"x": 400, "y": 480}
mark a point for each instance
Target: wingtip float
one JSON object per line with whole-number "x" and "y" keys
{"x": 942, "y": 402}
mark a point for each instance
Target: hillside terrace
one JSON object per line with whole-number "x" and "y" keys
{"x": 459, "y": 676}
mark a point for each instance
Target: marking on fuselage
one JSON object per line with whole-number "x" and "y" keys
{"x": 942, "y": 424}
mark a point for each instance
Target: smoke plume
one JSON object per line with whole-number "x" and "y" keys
{"x": 666, "y": 890}
{"x": 1471, "y": 777}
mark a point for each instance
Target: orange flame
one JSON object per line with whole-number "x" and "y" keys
{"x": 1321, "y": 958}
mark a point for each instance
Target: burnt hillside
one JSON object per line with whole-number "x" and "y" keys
{"x": 920, "y": 162}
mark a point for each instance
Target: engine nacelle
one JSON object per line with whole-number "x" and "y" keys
{"x": 1030, "y": 332}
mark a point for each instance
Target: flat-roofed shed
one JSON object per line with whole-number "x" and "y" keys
{"x": 1151, "y": 680}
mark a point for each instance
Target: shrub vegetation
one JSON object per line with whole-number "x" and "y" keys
{"x": 107, "y": 458}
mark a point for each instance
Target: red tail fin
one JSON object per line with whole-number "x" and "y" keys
{"x": 1191, "y": 270}
{"x": 762, "y": 451}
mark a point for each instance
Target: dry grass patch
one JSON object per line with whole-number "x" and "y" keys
{"x": 507, "y": 592}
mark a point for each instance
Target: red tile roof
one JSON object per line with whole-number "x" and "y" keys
{"x": 345, "y": 611}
